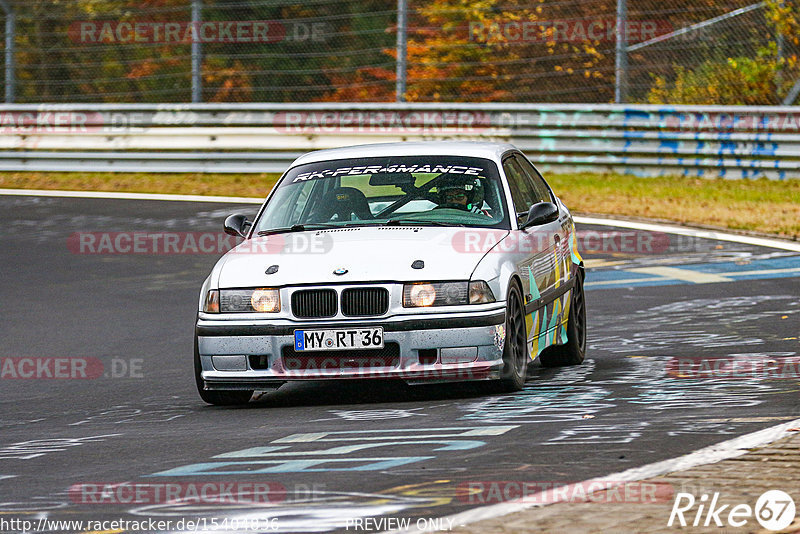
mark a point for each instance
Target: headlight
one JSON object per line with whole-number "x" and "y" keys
{"x": 262, "y": 300}
{"x": 425, "y": 294}
{"x": 266, "y": 300}
{"x": 419, "y": 295}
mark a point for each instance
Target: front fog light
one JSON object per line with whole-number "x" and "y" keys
{"x": 480, "y": 293}
{"x": 266, "y": 300}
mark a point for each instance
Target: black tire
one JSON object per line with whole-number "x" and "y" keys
{"x": 217, "y": 398}
{"x": 574, "y": 350}
{"x": 515, "y": 352}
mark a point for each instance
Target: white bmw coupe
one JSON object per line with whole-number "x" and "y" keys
{"x": 423, "y": 262}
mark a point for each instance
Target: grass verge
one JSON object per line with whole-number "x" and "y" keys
{"x": 234, "y": 185}
{"x": 764, "y": 206}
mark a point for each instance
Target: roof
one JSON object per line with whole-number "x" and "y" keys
{"x": 478, "y": 149}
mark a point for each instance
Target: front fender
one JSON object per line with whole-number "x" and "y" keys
{"x": 496, "y": 268}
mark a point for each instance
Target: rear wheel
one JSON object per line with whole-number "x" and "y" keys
{"x": 574, "y": 350}
{"x": 515, "y": 354}
{"x": 217, "y": 398}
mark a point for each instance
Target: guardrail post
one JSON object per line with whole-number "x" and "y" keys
{"x": 402, "y": 45}
{"x": 621, "y": 64}
{"x": 11, "y": 33}
{"x": 197, "y": 58}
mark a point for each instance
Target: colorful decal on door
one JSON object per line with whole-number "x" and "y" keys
{"x": 576, "y": 256}
{"x": 562, "y": 327}
{"x": 557, "y": 264}
{"x": 547, "y": 328}
{"x": 532, "y": 287}
{"x": 532, "y": 322}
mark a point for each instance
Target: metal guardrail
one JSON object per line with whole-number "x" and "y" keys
{"x": 644, "y": 140}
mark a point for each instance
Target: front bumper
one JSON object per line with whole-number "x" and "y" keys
{"x": 446, "y": 347}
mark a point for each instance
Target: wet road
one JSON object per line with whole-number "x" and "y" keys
{"x": 311, "y": 457}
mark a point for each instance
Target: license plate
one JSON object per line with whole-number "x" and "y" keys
{"x": 355, "y": 338}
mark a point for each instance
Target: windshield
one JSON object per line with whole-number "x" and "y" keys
{"x": 420, "y": 190}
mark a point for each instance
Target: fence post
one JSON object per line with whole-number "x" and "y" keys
{"x": 11, "y": 32}
{"x": 197, "y": 58}
{"x": 779, "y": 74}
{"x": 794, "y": 92}
{"x": 621, "y": 64}
{"x": 402, "y": 45}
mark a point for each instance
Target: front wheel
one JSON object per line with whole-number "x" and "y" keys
{"x": 515, "y": 353}
{"x": 574, "y": 350}
{"x": 217, "y": 398}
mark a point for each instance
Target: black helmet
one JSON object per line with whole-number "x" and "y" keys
{"x": 453, "y": 184}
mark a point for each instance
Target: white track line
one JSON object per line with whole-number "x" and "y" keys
{"x": 731, "y": 448}
{"x": 694, "y": 232}
{"x": 129, "y": 196}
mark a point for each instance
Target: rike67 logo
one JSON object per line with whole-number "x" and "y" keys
{"x": 774, "y": 510}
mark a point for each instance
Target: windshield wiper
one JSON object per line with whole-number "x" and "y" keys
{"x": 416, "y": 222}
{"x": 298, "y": 228}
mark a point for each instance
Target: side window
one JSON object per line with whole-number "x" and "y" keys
{"x": 521, "y": 191}
{"x": 542, "y": 191}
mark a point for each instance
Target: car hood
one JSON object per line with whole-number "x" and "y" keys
{"x": 366, "y": 253}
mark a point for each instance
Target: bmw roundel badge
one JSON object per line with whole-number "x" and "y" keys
{"x": 340, "y": 271}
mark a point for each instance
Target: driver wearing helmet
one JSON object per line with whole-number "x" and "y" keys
{"x": 462, "y": 194}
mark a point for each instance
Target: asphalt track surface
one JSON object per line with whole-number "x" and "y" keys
{"x": 141, "y": 422}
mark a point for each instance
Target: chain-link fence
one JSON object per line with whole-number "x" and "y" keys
{"x": 680, "y": 51}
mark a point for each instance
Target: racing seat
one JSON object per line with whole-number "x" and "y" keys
{"x": 343, "y": 203}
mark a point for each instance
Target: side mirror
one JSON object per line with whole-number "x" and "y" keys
{"x": 541, "y": 213}
{"x": 237, "y": 225}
